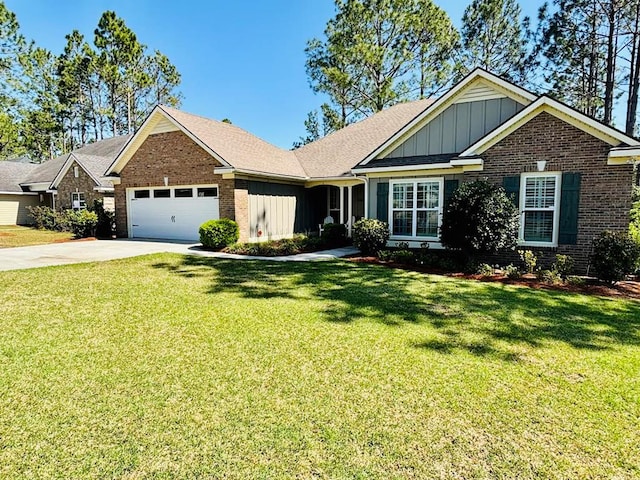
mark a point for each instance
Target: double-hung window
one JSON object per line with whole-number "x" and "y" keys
{"x": 416, "y": 208}
{"x": 78, "y": 201}
{"x": 540, "y": 205}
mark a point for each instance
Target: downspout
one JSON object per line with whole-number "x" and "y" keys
{"x": 365, "y": 181}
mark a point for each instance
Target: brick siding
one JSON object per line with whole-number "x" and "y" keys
{"x": 605, "y": 191}
{"x": 84, "y": 183}
{"x": 184, "y": 162}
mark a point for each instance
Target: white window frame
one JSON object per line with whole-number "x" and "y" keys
{"x": 80, "y": 206}
{"x": 414, "y": 226}
{"x": 555, "y": 209}
{"x": 76, "y": 171}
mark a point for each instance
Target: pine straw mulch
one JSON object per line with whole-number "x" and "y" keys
{"x": 626, "y": 289}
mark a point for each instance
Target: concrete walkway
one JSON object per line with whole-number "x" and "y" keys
{"x": 102, "y": 250}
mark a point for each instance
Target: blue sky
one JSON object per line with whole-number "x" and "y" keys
{"x": 239, "y": 59}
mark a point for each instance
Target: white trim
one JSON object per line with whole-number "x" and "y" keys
{"x": 66, "y": 166}
{"x": 513, "y": 91}
{"x": 623, "y": 156}
{"x": 254, "y": 173}
{"x": 556, "y": 209}
{"x": 80, "y": 207}
{"x": 557, "y": 109}
{"x": 37, "y": 186}
{"x": 414, "y": 226}
{"x": 18, "y": 193}
{"x": 433, "y": 166}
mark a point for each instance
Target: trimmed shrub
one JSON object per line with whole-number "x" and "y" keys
{"x": 370, "y": 235}
{"x": 46, "y": 218}
{"x": 82, "y": 223}
{"x": 550, "y": 277}
{"x": 563, "y": 265}
{"x": 485, "y": 270}
{"x": 529, "y": 259}
{"x": 217, "y": 234}
{"x": 512, "y": 272}
{"x": 334, "y": 234}
{"x": 480, "y": 217}
{"x": 615, "y": 255}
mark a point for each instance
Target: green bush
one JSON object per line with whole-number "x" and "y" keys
{"x": 82, "y": 223}
{"x": 217, "y": 234}
{"x": 106, "y": 219}
{"x": 46, "y": 218}
{"x": 370, "y": 235}
{"x": 512, "y": 272}
{"x": 274, "y": 248}
{"x": 563, "y": 265}
{"x": 615, "y": 255}
{"x": 529, "y": 259}
{"x": 334, "y": 234}
{"x": 550, "y": 277}
{"x": 480, "y": 218}
{"x": 576, "y": 281}
{"x": 485, "y": 270}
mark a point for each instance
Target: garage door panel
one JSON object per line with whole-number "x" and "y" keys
{"x": 176, "y": 218}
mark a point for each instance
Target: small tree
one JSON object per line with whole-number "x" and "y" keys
{"x": 615, "y": 255}
{"x": 480, "y": 218}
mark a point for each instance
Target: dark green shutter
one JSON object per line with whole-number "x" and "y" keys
{"x": 383, "y": 201}
{"x": 512, "y": 187}
{"x": 569, "y": 203}
{"x": 450, "y": 186}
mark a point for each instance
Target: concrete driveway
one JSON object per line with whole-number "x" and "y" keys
{"x": 101, "y": 250}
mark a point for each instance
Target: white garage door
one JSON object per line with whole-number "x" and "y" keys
{"x": 174, "y": 213}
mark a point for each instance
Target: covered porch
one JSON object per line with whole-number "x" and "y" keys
{"x": 341, "y": 200}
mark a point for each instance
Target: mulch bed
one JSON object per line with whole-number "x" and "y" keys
{"x": 626, "y": 289}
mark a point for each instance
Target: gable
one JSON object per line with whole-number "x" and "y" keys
{"x": 460, "y": 125}
{"x": 476, "y": 88}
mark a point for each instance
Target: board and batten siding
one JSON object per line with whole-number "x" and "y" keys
{"x": 458, "y": 127}
{"x": 13, "y": 209}
{"x": 278, "y": 210}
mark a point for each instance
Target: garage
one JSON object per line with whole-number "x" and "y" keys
{"x": 173, "y": 213}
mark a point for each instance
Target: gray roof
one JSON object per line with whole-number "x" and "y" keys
{"x": 336, "y": 154}
{"x": 12, "y": 173}
{"x": 94, "y": 158}
{"x": 332, "y": 156}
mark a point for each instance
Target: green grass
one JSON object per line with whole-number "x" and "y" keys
{"x": 169, "y": 366}
{"x": 16, "y": 236}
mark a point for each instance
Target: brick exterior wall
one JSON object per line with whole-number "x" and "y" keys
{"x": 605, "y": 191}
{"x": 184, "y": 162}
{"x": 84, "y": 183}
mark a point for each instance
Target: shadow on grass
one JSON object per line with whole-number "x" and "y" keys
{"x": 481, "y": 318}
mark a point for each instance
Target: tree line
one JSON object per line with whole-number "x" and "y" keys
{"x": 51, "y": 104}
{"x": 376, "y": 53}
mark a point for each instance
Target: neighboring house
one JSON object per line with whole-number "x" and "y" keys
{"x": 570, "y": 175}
{"x": 73, "y": 180}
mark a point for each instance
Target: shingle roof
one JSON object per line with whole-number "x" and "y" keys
{"x": 409, "y": 161}
{"x": 238, "y": 147}
{"x": 336, "y": 154}
{"x": 94, "y": 157}
{"x": 12, "y": 173}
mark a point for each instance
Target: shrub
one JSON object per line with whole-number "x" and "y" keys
{"x": 218, "y": 234}
{"x": 334, "y": 234}
{"x": 104, "y": 228}
{"x": 512, "y": 272}
{"x": 46, "y": 218}
{"x": 480, "y": 218}
{"x": 615, "y": 255}
{"x": 403, "y": 256}
{"x": 529, "y": 259}
{"x": 563, "y": 265}
{"x": 550, "y": 277}
{"x": 576, "y": 281}
{"x": 485, "y": 270}
{"x": 370, "y": 236}
{"x": 82, "y": 223}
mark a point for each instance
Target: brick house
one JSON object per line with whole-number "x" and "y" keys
{"x": 570, "y": 175}
{"x": 70, "y": 181}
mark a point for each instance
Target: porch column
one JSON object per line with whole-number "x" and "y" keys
{"x": 366, "y": 198}
{"x": 349, "y": 209}
{"x": 341, "y": 219}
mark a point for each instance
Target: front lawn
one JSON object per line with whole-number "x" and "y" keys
{"x": 181, "y": 366}
{"x": 17, "y": 236}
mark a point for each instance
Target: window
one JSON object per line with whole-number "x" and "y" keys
{"x": 78, "y": 201}
{"x": 164, "y": 193}
{"x": 416, "y": 208}
{"x": 208, "y": 192}
{"x": 183, "y": 192}
{"x": 540, "y": 201}
{"x": 141, "y": 194}
{"x": 76, "y": 172}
